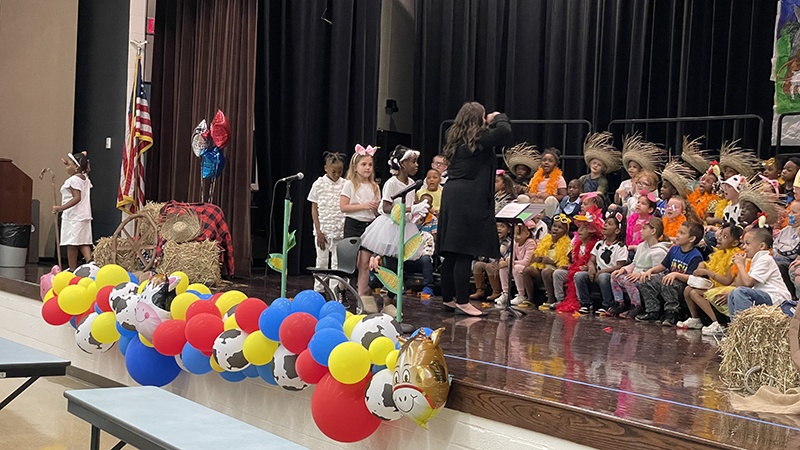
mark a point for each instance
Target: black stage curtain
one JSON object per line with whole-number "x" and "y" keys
{"x": 204, "y": 60}
{"x": 593, "y": 59}
{"x": 316, "y": 91}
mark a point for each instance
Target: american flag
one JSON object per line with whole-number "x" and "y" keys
{"x": 138, "y": 138}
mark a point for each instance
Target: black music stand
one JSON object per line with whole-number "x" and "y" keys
{"x": 513, "y": 214}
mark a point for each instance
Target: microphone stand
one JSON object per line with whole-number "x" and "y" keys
{"x": 287, "y": 214}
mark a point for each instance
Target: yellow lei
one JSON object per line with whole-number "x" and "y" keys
{"x": 720, "y": 261}
{"x": 552, "y": 183}
{"x": 562, "y": 251}
{"x": 720, "y": 211}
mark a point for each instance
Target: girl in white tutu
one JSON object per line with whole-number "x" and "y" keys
{"x": 76, "y": 220}
{"x": 382, "y": 236}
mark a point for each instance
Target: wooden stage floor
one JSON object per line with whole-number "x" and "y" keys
{"x": 602, "y": 382}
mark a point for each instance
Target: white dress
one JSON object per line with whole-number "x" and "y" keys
{"x": 382, "y": 235}
{"x": 76, "y": 222}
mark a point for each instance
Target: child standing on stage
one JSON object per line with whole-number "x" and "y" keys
{"x": 359, "y": 203}
{"x": 76, "y": 220}
{"x": 325, "y": 212}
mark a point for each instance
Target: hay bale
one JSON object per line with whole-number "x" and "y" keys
{"x": 149, "y": 235}
{"x": 759, "y": 337}
{"x": 103, "y": 254}
{"x": 198, "y": 260}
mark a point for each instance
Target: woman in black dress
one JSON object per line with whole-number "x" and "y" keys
{"x": 467, "y": 227}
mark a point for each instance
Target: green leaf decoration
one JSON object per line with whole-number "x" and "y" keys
{"x": 275, "y": 262}
{"x": 292, "y": 241}
{"x": 411, "y": 247}
{"x": 388, "y": 278}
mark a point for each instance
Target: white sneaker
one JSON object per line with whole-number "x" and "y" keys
{"x": 713, "y": 329}
{"x": 691, "y": 323}
{"x": 519, "y": 299}
{"x": 502, "y": 299}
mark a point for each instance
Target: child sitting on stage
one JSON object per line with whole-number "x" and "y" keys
{"x": 523, "y": 251}
{"x": 703, "y": 199}
{"x": 649, "y": 254}
{"x": 327, "y": 215}
{"x": 602, "y": 158}
{"x": 646, "y": 184}
{"x": 592, "y": 203}
{"x": 490, "y": 267}
{"x": 637, "y": 155}
{"x": 552, "y": 253}
{"x": 720, "y": 270}
{"x": 645, "y": 207}
{"x": 761, "y": 283}
{"x": 427, "y": 222}
{"x": 589, "y": 232}
{"x": 674, "y": 183}
{"x": 432, "y": 180}
{"x": 548, "y": 180}
{"x": 571, "y": 204}
{"x": 608, "y": 256}
{"x": 789, "y": 172}
{"x": 786, "y": 247}
{"x": 522, "y": 161}
{"x": 504, "y": 192}
{"x": 668, "y": 279}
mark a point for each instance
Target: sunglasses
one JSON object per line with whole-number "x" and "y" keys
{"x": 562, "y": 218}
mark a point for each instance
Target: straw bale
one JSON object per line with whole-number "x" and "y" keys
{"x": 198, "y": 260}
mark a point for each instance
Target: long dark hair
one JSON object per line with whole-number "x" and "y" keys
{"x": 466, "y": 129}
{"x": 508, "y": 183}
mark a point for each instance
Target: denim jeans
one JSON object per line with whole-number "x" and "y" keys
{"x": 583, "y": 285}
{"x": 742, "y": 298}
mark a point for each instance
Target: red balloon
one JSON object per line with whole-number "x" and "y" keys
{"x": 296, "y": 331}
{"x": 52, "y": 313}
{"x": 309, "y": 370}
{"x": 170, "y": 337}
{"x": 102, "y": 298}
{"x": 248, "y": 312}
{"x": 220, "y": 130}
{"x": 340, "y": 412}
{"x": 75, "y": 280}
{"x": 203, "y": 329}
{"x": 201, "y": 307}
{"x": 214, "y": 297}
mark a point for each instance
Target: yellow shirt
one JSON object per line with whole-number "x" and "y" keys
{"x": 437, "y": 196}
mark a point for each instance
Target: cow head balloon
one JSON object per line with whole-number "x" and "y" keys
{"x": 421, "y": 383}
{"x": 154, "y": 304}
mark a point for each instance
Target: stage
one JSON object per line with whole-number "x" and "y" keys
{"x": 600, "y": 382}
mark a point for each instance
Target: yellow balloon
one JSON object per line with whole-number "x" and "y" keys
{"x": 181, "y": 303}
{"x": 104, "y": 328}
{"x": 379, "y": 348}
{"x": 183, "y": 284}
{"x": 91, "y": 290}
{"x": 141, "y": 287}
{"x": 350, "y": 323}
{"x": 391, "y": 359}
{"x": 50, "y": 294}
{"x": 111, "y": 275}
{"x": 228, "y": 299}
{"x": 85, "y": 282}
{"x": 230, "y": 323}
{"x": 348, "y": 314}
{"x": 198, "y": 287}
{"x": 215, "y": 366}
{"x": 349, "y": 362}
{"x": 258, "y": 349}
{"x": 145, "y": 341}
{"x": 74, "y": 300}
{"x": 61, "y": 280}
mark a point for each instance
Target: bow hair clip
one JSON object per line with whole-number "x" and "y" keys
{"x": 369, "y": 151}
{"x": 500, "y": 172}
{"x": 649, "y": 196}
{"x": 771, "y": 182}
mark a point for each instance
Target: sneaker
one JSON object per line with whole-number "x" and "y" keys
{"x": 600, "y": 312}
{"x": 670, "y": 319}
{"x": 692, "y": 323}
{"x": 502, "y": 299}
{"x": 545, "y": 306}
{"x": 553, "y": 306}
{"x": 713, "y": 329}
{"x": 518, "y": 300}
{"x": 427, "y": 291}
{"x": 648, "y": 317}
{"x": 585, "y": 310}
{"x": 633, "y": 312}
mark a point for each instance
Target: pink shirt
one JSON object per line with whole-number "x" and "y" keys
{"x": 542, "y": 187}
{"x": 634, "y": 231}
{"x": 523, "y": 253}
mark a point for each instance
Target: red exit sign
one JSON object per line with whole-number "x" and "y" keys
{"x": 151, "y": 25}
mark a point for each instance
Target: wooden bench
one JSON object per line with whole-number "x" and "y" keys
{"x": 20, "y": 361}
{"x": 152, "y": 418}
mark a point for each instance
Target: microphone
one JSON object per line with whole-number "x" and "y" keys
{"x": 289, "y": 179}
{"x": 405, "y": 191}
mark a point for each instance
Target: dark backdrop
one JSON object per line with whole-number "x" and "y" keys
{"x": 316, "y": 91}
{"x": 593, "y": 59}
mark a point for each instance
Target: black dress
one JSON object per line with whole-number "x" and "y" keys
{"x": 466, "y": 221}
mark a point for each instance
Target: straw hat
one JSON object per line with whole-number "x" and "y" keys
{"x": 524, "y": 154}
{"x": 182, "y": 226}
{"x": 598, "y": 146}
{"x": 743, "y": 162}
{"x": 693, "y": 156}
{"x": 763, "y": 196}
{"x": 678, "y": 176}
{"x": 644, "y": 153}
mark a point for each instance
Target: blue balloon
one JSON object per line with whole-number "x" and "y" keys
{"x": 376, "y": 368}
{"x": 97, "y": 309}
{"x": 329, "y": 322}
{"x": 271, "y": 320}
{"x": 74, "y": 322}
{"x": 148, "y": 367}
{"x": 331, "y": 308}
{"x": 133, "y": 278}
{"x": 323, "y": 343}
{"x": 337, "y": 316}
{"x": 251, "y": 371}
{"x": 123, "y": 344}
{"x": 265, "y": 372}
{"x": 205, "y": 296}
{"x": 427, "y": 331}
{"x": 194, "y": 360}
{"x": 198, "y": 294}
{"x": 233, "y": 377}
{"x": 123, "y": 332}
{"x": 308, "y": 301}
{"x": 281, "y": 302}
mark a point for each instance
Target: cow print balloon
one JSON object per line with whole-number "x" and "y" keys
{"x": 228, "y": 350}
{"x": 374, "y": 326}
{"x": 85, "y": 340}
{"x": 378, "y": 397}
{"x": 284, "y": 372}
